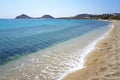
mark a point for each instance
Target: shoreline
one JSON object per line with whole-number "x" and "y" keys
{"x": 81, "y": 73}
{"x": 46, "y": 61}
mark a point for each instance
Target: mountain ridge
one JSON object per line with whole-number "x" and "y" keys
{"x": 79, "y": 16}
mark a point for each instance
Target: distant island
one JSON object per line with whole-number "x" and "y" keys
{"x": 24, "y": 16}
{"x": 47, "y": 17}
{"x": 115, "y": 16}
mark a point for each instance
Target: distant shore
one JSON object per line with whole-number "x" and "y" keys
{"x": 113, "y": 16}
{"x": 104, "y": 62}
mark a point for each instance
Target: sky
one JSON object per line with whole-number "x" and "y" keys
{"x": 57, "y": 8}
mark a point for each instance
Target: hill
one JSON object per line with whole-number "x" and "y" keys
{"x": 23, "y": 16}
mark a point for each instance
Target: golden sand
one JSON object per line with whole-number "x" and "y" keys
{"x": 104, "y": 62}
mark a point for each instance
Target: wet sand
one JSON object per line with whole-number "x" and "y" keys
{"x": 104, "y": 62}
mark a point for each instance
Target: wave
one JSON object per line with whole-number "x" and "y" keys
{"x": 85, "y": 52}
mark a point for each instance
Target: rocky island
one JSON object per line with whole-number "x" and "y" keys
{"x": 47, "y": 17}
{"x": 24, "y": 16}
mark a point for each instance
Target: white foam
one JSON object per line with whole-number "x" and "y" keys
{"x": 85, "y": 52}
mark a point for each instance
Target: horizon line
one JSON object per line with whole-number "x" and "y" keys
{"x": 61, "y": 16}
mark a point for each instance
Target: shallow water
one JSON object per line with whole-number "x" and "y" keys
{"x": 58, "y": 49}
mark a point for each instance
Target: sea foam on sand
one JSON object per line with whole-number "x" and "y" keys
{"x": 86, "y": 51}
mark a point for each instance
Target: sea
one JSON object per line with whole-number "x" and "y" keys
{"x": 46, "y": 49}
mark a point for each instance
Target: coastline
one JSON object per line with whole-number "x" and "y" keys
{"x": 46, "y": 61}
{"x": 97, "y": 61}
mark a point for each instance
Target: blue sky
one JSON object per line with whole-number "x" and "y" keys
{"x": 56, "y": 8}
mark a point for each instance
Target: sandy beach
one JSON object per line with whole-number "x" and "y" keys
{"x": 104, "y": 62}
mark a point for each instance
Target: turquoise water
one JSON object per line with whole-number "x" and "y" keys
{"x": 48, "y": 49}
{"x": 21, "y": 37}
